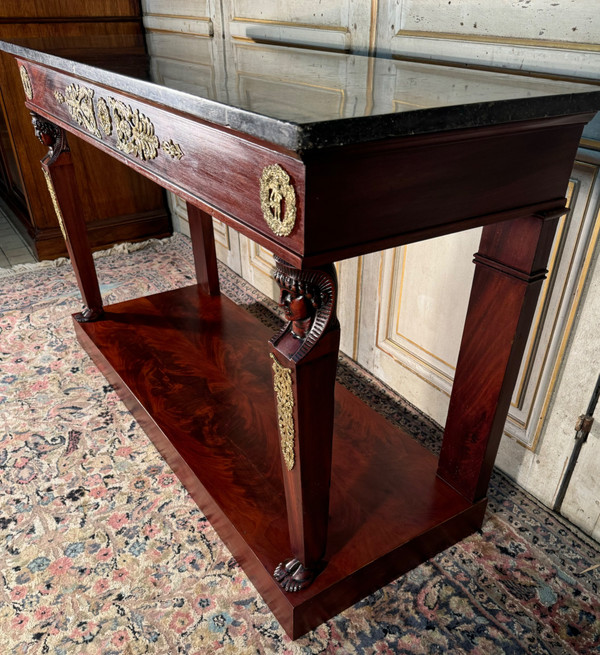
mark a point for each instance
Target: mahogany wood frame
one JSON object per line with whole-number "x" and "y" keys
{"x": 363, "y": 502}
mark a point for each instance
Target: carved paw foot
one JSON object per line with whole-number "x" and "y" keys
{"x": 88, "y": 315}
{"x": 292, "y": 576}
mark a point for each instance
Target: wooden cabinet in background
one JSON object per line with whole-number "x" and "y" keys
{"x": 117, "y": 203}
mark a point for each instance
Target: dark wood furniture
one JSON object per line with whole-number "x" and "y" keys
{"x": 109, "y": 31}
{"x": 319, "y": 499}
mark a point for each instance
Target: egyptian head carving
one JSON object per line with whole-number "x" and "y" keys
{"x": 299, "y": 305}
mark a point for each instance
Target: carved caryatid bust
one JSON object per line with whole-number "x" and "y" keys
{"x": 308, "y": 299}
{"x": 299, "y": 307}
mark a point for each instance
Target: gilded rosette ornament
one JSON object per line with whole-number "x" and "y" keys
{"x": 135, "y": 132}
{"x": 282, "y": 381}
{"x": 172, "y": 149}
{"x": 278, "y": 200}
{"x": 26, "y": 80}
{"x": 80, "y": 102}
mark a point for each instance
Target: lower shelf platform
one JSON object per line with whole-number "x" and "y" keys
{"x": 195, "y": 372}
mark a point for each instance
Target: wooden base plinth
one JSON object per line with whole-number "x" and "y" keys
{"x": 195, "y": 372}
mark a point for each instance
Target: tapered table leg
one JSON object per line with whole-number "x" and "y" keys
{"x": 510, "y": 268}
{"x": 304, "y": 366}
{"x": 203, "y": 244}
{"x": 57, "y": 167}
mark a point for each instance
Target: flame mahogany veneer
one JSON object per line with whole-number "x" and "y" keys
{"x": 179, "y": 360}
{"x": 363, "y": 502}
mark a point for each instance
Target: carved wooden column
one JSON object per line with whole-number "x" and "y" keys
{"x": 304, "y": 366}
{"x": 60, "y": 178}
{"x": 510, "y": 269}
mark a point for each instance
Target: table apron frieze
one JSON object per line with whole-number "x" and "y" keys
{"x": 240, "y": 179}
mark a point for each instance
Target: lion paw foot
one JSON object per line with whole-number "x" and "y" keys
{"x": 292, "y": 576}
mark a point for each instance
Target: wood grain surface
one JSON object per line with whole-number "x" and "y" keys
{"x": 195, "y": 371}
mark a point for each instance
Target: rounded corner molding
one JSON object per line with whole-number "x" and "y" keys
{"x": 26, "y": 80}
{"x": 278, "y": 200}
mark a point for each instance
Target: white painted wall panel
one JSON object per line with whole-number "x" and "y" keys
{"x": 424, "y": 294}
{"x": 185, "y": 16}
{"x": 574, "y": 21}
{"x": 341, "y": 25}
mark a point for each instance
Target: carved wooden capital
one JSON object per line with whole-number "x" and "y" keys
{"x": 50, "y": 135}
{"x": 308, "y": 298}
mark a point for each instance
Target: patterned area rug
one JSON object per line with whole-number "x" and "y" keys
{"x": 103, "y": 552}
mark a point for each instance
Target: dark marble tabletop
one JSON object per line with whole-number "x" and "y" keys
{"x": 427, "y": 98}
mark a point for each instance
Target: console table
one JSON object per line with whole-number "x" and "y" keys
{"x": 319, "y": 499}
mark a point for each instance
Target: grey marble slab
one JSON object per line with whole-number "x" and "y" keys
{"x": 426, "y": 97}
